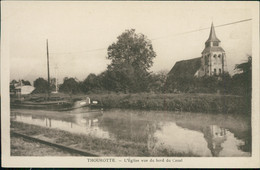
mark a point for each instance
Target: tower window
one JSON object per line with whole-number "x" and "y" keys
{"x": 219, "y": 71}
{"x": 219, "y": 56}
{"x": 215, "y": 71}
{"x": 215, "y": 43}
{"x": 215, "y": 56}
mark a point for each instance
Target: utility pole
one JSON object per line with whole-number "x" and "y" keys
{"x": 48, "y": 89}
{"x": 56, "y": 80}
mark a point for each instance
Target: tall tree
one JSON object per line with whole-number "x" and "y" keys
{"x": 41, "y": 85}
{"x": 131, "y": 57}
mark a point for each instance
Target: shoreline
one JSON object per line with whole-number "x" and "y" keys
{"x": 183, "y": 102}
{"x": 199, "y": 103}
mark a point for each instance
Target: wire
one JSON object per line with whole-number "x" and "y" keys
{"x": 167, "y": 36}
{"x": 162, "y": 37}
{"x": 98, "y": 49}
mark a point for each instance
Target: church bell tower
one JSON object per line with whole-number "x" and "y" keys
{"x": 213, "y": 59}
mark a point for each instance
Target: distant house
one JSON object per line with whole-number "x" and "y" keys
{"x": 24, "y": 89}
{"x": 211, "y": 62}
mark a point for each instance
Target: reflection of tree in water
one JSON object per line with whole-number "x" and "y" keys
{"x": 151, "y": 140}
{"x": 129, "y": 127}
{"x": 246, "y": 136}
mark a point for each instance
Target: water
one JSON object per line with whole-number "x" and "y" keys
{"x": 164, "y": 133}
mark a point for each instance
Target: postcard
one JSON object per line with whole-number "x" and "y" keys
{"x": 130, "y": 84}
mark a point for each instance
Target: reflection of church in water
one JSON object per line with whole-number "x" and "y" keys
{"x": 190, "y": 139}
{"x": 215, "y": 136}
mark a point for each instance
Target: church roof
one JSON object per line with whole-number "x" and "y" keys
{"x": 213, "y": 49}
{"x": 185, "y": 68}
{"x": 212, "y": 35}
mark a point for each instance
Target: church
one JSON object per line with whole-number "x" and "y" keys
{"x": 212, "y": 61}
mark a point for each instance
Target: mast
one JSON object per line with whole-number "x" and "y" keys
{"x": 56, "y": 80}
{"x": 48, "y": 88}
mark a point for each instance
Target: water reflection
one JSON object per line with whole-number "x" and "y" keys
{"x": 163, "y": 133}
{"x": 215, "y": 141}
{"x": 80, "y": 124}
{"x": 174, "y": 139}
{"x": 215, "y": 136}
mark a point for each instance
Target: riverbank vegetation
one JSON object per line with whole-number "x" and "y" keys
{"x": 204, "y": 103}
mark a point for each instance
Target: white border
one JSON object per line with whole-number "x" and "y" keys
{"x": 204, "y": 162}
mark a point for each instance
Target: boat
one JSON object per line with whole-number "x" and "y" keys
{"x": 60, "y": 105}
{"x": 50, "y": 103}
{"x": 47, "y": 105}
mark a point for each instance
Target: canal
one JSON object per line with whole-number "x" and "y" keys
{"x": 163, "y": 133}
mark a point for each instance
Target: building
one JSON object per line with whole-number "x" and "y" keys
{"x": 211, "y": 62}
{"x": 25, "y": 89}
{"x": 20, "y": 88}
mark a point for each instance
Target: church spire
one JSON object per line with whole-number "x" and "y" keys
{"x": 212, "y": 35}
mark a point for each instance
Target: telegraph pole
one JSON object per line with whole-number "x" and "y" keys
{"x": 48, "y": 89}
{"x": 56, "y": 80}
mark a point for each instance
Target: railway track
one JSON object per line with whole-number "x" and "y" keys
{"x": 52, "y": 144}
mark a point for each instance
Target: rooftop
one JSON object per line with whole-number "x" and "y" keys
{"x": 185, "y": 68}
{"x": 212, "y": 35}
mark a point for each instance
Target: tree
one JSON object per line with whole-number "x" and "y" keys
{"x": 92, "y": 82}
{"x": 41, "y": 85}
{"x": 225, "y": 83}
{"x": 109, "y": 81}
{"x": 157, "y": 81}
{"x": 12, "y": 85}
{"x": 242, "y": 81}
{"x": 70, "y": 86}
{"x": 26, "y": 82}
{"x": 131, "y": 57}
{"x": 246, "y": 67}
{"x": 13, "y": 82}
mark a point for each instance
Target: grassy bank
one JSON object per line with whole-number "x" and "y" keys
{"x": 23, "y": 147}
{"x": 206, "y": 103}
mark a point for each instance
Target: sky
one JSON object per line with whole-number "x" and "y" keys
{"x": 79, "y": 33}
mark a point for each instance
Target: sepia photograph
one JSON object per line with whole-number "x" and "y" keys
{"x": 135, "y": 83}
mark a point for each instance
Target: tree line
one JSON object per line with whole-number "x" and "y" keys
{"x": 107, "y": 81}
{"x": 131, "y": 58}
